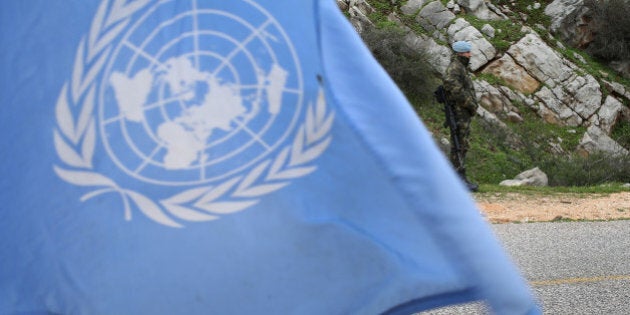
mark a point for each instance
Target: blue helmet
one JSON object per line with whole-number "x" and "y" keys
{"x": 462, "y": 46}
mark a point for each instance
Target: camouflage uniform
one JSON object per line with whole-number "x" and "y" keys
{"x": 460, "y": 92}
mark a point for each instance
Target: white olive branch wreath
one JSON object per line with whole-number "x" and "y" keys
{"x": 75, "y": 140}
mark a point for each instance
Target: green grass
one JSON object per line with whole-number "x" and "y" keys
{"x": 534, "y": 16}
{"x": 506, "y": 31}
{"x": 593, "y": 67}
{"x": 491, "y": 78}
{"x": 605, "y": 189}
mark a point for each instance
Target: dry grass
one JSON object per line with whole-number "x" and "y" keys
{"x": 520, "y": 207}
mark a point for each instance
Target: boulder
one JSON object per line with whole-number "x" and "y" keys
{"x": 532, "y": 177}
{"x": 554, "y": 111}
{"x": 434, "y": 16}
{"x": 514, "y": 117}
{"x": 571, "y": 22}
{"x": 596, "y": 140}
{"x": 439, "y": 55}
{"x": 540, "y": 60}
{"x": 583, "y": 94}
{"x": 482, "y": 49}
{"x": 479, "y": 9}
{"x": 609, "y": 114}
{"x": 412, "y": 7}
{"x": 573, "y": 96}
{"x": 513, "y": 74}
{"x": 358, "y": 10}
{"x": 488, "y": 30}
{"x": 618, "y": 89}
{"x": 493, "y": 99}
{"x": 498, "y": 10}
{"x": 343, "y": 5}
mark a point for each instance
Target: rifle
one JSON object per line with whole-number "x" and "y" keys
{"x": 451, "y": 121}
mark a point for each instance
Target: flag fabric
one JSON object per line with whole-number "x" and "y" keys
{"x": 223, "y": 157}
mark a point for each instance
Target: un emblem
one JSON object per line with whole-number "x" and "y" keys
{"x": 206, "y": 100}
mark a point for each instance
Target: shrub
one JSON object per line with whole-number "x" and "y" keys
{"x": 621, "y": 134}
{"x": 593, "y": 170}
{"x": 406, "y": 66}
{"x": 611, "y": 28}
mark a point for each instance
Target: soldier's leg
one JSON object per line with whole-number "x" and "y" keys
{"x": 463, "y": 127}
{"x": 455, "y": 159}
{"x": 464, "y": 140}
{"x": 464, "y": 136}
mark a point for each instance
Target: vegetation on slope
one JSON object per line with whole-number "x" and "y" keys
{"x": 496, "y": 154}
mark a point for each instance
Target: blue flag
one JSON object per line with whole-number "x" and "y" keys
{"x": 223, "y": 157}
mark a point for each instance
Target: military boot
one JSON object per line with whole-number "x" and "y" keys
{"x": 470, "y": 185}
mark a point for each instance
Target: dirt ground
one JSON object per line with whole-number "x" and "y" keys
{"x": 517, "y": 207}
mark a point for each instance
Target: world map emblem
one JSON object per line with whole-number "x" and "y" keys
{"x": 202, "y": 103}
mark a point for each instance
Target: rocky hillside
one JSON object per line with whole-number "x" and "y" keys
{"x": 524, "y": 53}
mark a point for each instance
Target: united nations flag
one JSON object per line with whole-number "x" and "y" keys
{"x": 223, "y": 157}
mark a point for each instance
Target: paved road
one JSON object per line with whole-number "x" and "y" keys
{"x": 573, "y": 267}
